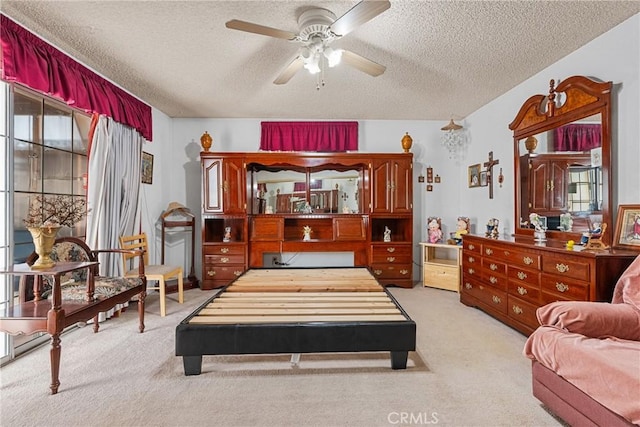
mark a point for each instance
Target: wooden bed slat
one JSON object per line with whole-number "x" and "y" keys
{"x": 238, "y": 295}
{"x": 298, "y": 304}
{"x": 294, "y": 311}
{"x": 297, "y": 319}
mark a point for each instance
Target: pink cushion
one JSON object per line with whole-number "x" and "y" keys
{"x": 627, "y": 288}
{"x": 592, "y": 319}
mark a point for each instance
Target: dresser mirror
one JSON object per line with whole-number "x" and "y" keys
{"x": 290, "y": 191}
{"x": 562, "y": 155}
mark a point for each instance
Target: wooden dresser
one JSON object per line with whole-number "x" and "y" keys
{"x": 253, "y": 208}
{"x": 509, "y": 279}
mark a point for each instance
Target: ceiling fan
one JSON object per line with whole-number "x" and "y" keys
{"x": 318, "y": 28}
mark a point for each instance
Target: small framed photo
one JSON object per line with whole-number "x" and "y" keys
{"x": 429, "y": 174}
{"x": 147, "y": 168}
{"x": 429, "y": 187}
{"x": 627, "y": 234}
{"x": 483, "y": 179}
{"x": 421, "y": 178}
{"x": 474, "y": 175}
{"x": 437, "y": 179}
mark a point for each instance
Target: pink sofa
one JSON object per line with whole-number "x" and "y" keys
{"x": 586, "y": 357}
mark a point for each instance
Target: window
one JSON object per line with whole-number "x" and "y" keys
{"x": 48, "y": 154}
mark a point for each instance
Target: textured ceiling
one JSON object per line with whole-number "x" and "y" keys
{"x": 444, "y": 58}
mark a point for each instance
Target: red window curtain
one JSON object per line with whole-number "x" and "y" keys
{"x": 577, "y": 137}
{"x": 31, "y": 61}
{"x": 309, "y": 136}
{"x": 302, "y": 186}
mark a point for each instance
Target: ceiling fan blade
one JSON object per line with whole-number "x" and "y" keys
{"x": 363, "y": 64}
{"x": 291, "y": 69}
{"x": 363, "y": 12}
{"x": 250, "y": 27}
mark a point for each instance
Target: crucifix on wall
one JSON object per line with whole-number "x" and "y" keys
{"x": 489, "y": 167}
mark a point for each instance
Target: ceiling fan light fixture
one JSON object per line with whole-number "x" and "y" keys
{"x": 333, "y": 56}
{"x": 312, "y": 65}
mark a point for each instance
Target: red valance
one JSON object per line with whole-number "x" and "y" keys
{"x": 309, "y": 136}
{"x": 36, "y": 64}
{"x": 578, "y": 137}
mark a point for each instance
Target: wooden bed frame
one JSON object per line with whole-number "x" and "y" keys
{"x": 273, "y": 311}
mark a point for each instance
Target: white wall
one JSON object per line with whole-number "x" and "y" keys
{"x": 614, "y": 56}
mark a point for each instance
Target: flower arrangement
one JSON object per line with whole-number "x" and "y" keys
{"x": 538, "y": 223}
{"x": 55, "y": 211}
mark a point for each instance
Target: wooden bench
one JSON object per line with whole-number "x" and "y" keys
{"x": 296, "y": 311}
{"x": 72, "y": 291}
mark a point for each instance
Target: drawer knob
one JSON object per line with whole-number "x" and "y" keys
{"x": 493, "y": 267}
{"x": 522, "y": 291}
{"x": 562, "y": 268}
{"x": 237, "y": 272}
{"x": 493, "y": 280}
{"x": 527, "y": 260}
{"x": 489, "y": 251}
{"x": 472, "y": 246}
{"x": 404, "y": 272}
{"x": 472, "y": 259}
{"x": 224, "y": 259}
{"x": 224, "y": 250}
{"x": 522, "y": 275}
{"x": 377, "y": 272}
{"x": 391, "y": 258}
{"x": 516, "y": 309}
{"x": 211, "y": 273}
{"x": 471, "y": 271}
{"x": 391, "y": 250}
{"x": 468, "y": 285}
{"x": 561, "y": 287}
{"x": 496, "y": 299}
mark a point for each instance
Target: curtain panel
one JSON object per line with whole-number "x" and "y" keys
{"x": 577, "y": 137}
{"x": 309, "y": 136}
{"x": 31, "y": 61}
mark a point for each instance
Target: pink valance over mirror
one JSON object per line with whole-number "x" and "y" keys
{"x": 309, "y": 136}
{"x": 31, "y": 61}
{"x": 578, "y": 137}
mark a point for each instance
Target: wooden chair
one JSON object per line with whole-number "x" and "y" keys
{"x": 159, "y": 273}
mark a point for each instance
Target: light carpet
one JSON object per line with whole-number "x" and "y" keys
{"x": 468, "y": 370}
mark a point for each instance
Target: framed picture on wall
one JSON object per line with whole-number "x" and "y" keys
{"x": 147, "y": 168}
{"x": 474, "y": 175}
{"x": 627, "y": 234}
{"x": 483, "y": 179}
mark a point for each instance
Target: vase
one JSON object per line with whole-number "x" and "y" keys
{"x": 407, "y": 142}
{"x": 43, "y": 240}
{"x": 540, "y": 236}
{"x": 530, "y": 144}
{"x": 206, "y": 141}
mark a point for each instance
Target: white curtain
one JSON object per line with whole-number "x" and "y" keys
{"x": 113, "y": 195}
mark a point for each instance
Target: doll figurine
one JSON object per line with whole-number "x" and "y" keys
{"x": 462, "y": 228}
{"x": 434, "y": 231}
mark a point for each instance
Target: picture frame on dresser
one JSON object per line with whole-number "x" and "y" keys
{"x": 627, "y": 234}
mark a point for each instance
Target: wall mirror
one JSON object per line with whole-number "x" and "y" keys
{"x": 308, "y": 191}
{"x": 562, "y": 155}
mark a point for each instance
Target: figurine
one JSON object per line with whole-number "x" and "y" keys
{"x": 227, "y": 234}
{"x": 306, "y": 233}
{"x": 566, "y": 222}
{"x": 387, "y": 234}
{"x": 434, "y": 231}
{"x": 492, "y": 229}
{"x": 462, "y": 228}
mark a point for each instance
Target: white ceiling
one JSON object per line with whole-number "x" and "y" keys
{"x": 444, "y": 58}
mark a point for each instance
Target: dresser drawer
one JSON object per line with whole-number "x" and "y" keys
{"x": 493, "y": 266}
{"x": 471, "y": 246}
{"x": 564, "y": 288}
{"x": 226, "y": 272}
{"x": 489, "y": 295}
{"x": 523, "y": 312}
{"x": 511, "y": 256}
{"x": 525, "y": 291}
{"x": 524, "y": 275}
{"x": 472, "y": 259}
{"x": 497, "y": 280}
{"x": 566, "y": 267}
{"x": 391, "y": 271}
{"x": 383, "y": 251}
{"x": 224, "y": 259}
{"x": 472, "y": 268}
{"x": 225, "y": 250}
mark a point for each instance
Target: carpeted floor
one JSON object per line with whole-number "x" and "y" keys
{"x": 468, "y": 370}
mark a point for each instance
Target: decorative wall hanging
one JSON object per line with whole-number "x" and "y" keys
{"x": 474, "y": 175}
{"x": 489, "y": 166}
{"x": 429, "y": 174}
{"x": 147, "y": 168}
